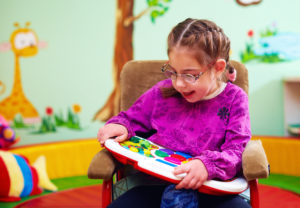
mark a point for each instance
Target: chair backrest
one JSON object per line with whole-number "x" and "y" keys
{"x": 139, "y": 76}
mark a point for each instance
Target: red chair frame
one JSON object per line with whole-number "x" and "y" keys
{"x": 107, "y": 192}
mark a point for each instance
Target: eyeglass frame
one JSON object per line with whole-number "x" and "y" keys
{"x": 196, "y": 77}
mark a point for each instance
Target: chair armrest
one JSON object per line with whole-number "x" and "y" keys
{"x": 102, "y": 166}
{"x": 255, "y": 163}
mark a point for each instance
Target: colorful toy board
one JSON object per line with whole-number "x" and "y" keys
{"x": 160, "y": 162}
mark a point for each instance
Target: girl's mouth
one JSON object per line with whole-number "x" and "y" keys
{"x": 188, "y": 94}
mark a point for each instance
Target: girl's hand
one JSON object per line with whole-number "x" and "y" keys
{"x": 196, "y": 174}
{"x": 112, "y": 130}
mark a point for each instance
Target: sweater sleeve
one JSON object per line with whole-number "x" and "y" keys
{"x": 227, "y": 162}
{"x": 138, "y": 116}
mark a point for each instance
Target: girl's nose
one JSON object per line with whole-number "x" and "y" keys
{"x": 180, "y": 83}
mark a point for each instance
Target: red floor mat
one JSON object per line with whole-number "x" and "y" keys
{"x": 275, "y": 197}
{"x": 73, "y": 198}
{"x": 89, "y": 197}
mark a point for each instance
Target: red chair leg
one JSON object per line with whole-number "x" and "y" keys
{"x": 254, "y": 196}
{"x": 120, "y": 174}
{"x": 106, "y": 193}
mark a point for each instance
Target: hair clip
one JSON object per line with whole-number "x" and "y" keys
{"x": 231, "y": 74}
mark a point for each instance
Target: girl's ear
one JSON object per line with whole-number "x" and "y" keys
{"x": 220, "y": 65}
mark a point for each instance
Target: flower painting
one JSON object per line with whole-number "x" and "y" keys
{"x": 271, "y": 46}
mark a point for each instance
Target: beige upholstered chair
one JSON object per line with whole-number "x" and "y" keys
{"x": 136, "y": 78}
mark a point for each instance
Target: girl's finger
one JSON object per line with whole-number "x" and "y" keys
{"x": 99, "y": 135}
{"x": 192, "y": 184}
{"x": 121, "y": 138}
{"x": 198, "y": 185}
{"x": 181, "y": 169}
{"x": 180, "y": 185}
{"x": 184, "y": 183}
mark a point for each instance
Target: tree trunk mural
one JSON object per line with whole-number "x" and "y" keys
{"x": 123, "y": 52}
{"x": 124, "y": 47}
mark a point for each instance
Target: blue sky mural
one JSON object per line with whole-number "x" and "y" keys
{"x": 286, "y": 45}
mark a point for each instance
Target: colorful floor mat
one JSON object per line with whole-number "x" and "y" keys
{"x": 90, "y": 197}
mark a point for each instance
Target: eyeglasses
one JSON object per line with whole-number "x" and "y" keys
{"x": 189, "y": 78}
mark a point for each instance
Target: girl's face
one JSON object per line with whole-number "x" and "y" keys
{"x": 182, "y": 61}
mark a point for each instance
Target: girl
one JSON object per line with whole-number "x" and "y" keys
{"x": 194, "y": 112}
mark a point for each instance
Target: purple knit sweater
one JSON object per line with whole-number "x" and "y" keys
{"x": 215, "y": 131}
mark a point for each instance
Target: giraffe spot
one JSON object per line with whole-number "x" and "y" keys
{"x": 14, "y": 103}
{"x": 24, "y": 101}
{"x": 7, "y": 99}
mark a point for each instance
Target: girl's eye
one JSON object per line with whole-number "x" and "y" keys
{"x": 188, "y": 75}
{"x": 170, "y": 74}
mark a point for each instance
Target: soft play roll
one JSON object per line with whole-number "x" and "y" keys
{"x": 19, "y": 179}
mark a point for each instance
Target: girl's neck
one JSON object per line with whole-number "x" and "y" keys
{"x": 220, "y": 86}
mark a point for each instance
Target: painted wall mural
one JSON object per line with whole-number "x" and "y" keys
{"x": 17, "y": 108}
{"x": 24, "y": 43}
{"x": 271, "y": 46}
{"x": 52, "y": 120}
{"x": 124, "y": 48}
{"x": 53, "y": 80}
{"x": 123, "y": 44}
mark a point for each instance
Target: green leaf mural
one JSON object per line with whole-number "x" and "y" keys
{"x": 158, "y": 7}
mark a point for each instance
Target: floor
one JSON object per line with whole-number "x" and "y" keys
{"x": 89, "y": 197}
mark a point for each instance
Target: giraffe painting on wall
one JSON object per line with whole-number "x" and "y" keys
{"x": 24, "y": 43}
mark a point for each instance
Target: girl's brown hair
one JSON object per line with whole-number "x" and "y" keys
{"x": 204, "y": 38}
